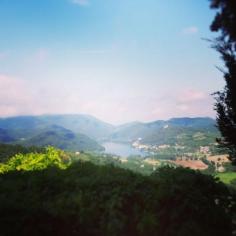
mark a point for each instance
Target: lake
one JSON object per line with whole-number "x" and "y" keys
{"x": 121, "y": 149}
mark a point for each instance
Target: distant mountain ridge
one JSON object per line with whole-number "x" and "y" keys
{"x": 64, "y": 139}
{"x": 155, "y": 131}
{"x": 78, "y": 129}
{"x": 46, "y": 130}
{"x": 85, "y": 124}
{"x": 5, "y": 137}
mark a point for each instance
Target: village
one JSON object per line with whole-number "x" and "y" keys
{"x": 198, "y": 160}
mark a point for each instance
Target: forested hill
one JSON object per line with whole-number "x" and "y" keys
{"x": 26, "y": 125}
{"x": 166, "y": 132}
{"x": 30, "y": 130}
{"x": 62, "y": 138}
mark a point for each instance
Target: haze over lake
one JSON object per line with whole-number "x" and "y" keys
{"x": 121, "y": 149}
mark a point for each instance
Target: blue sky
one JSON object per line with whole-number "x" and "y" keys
{"x": 117, "y": 60}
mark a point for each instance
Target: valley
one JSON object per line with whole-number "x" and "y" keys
{"x": 59, "y": 170}
{"x": 143, "y": 147}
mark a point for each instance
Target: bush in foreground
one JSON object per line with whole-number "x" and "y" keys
{"x": 36, "y": 161}
{"x": 86, "y": 199}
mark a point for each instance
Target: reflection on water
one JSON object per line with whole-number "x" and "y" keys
{"x": 121, "y": 149}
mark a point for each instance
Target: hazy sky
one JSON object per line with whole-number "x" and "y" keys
{"x": 119, "y": 60}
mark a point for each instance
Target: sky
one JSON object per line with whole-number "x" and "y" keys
{"x": 118, "y": 60}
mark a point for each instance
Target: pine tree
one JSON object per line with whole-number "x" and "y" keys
{"x": 225, "y": 23}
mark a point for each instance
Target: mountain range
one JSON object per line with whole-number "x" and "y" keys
{"x": 164, "y": 132}
{"x": 85, "y": 132}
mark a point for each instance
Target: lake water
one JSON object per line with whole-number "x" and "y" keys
{"x": 121, "y": 149}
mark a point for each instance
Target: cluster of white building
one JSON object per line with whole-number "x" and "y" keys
{"x": 137, "y": 144}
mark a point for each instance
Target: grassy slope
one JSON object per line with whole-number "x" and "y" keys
{"x": 227, "y": 177}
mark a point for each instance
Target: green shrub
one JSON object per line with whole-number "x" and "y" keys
{"x": 86, "y": 199}
{"x": 36, "y": 161}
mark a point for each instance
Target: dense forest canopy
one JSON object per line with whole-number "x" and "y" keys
{"x": 49, "y": 193}
{"x": 105, "y": 200}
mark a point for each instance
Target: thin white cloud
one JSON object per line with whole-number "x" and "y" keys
{"x": 191, "y": 95}
{"x": 81, "y": 2}
{"x": 3, "y": 55}
{"x": 112, "y": 103}
{"x": 95, "y": 51}
{"x": 41, "y": 54}
{"x": 15, "y": 96}
{"x": 182, "y": 107}
{"x": 190, "y": 30}
{"x": 185, "y": 102}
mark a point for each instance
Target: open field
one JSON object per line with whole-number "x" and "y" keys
{"x": 227, "y": 177}
{"x": 219, "y": 159}
{"x": 193, "y": 164}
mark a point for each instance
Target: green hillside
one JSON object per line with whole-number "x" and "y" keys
{"x": 181, "y": 135}
{"x": 228, "y": 178}
{"x": 5, "y": 137}
{"x": 189, "y": 132}
{"x": 129, "y": 132}
{"x": 38, "y": 131}
{"x": 21, "y": 127}
{"x": 64, "y": 139}
{"x": 85, "y": 124}
{"x": 8, "y": 150}
{"x": 25, "y": 126}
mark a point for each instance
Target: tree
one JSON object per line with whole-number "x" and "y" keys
{"x": 36, "y": 161}
{"x": 225, "y": 23}
{"x": 86, "y": 199}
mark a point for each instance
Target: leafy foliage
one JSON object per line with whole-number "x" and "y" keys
{"x": 44, "y": 194}
{"x": 225, "y": 19}
{"x": 36, "y": 161}
{"x": 225, "y": 44}
{"x": 184, "y": 192}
